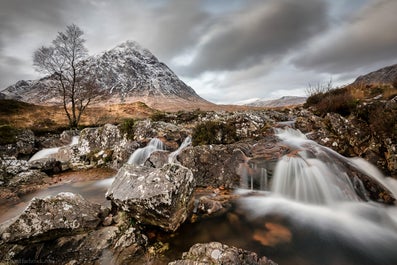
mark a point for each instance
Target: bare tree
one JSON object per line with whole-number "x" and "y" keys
{"x": 64, "y": 60}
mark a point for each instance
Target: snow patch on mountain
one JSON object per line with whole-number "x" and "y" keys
{"x": 281, "y": 102}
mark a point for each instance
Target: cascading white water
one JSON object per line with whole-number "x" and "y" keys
{"x": 313, "y": 192}
{"x": 49, "y": 152}
{"x": 172, "y": 157}
{"x": 317, "y": 174}
{"x": 140, "y": 155}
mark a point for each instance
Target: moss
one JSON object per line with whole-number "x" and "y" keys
{"x": 213, "y": 132}
{"x": 159, "y": 116}
{"x": 8, "y": 134}
{"x": 127, "y": 128}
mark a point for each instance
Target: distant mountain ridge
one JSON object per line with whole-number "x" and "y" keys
{"x": 281, "y": 102}
{"x": 126, "y": 73}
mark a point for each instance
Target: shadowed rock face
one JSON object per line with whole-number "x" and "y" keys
{"x": 154, "y": 196}
{"x": 52, "y": 217}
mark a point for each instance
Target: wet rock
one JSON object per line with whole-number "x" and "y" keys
{"x": 214, "y": 204}
{"x": 85, "y": 248}
{"x": 48, "y": 165}
{"x": 214, "y": 165}
{"x": 157, "y": 159}
{"x": 220, "y": 254}
{"x": 28, "y": 177}
{"x": 154, "y": 196}
{"x": 52, "y": 217}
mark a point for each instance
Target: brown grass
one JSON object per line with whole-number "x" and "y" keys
{"x": 49, "y": 118}
{"x": 367, "y": 91}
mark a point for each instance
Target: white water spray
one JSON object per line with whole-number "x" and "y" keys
{"x": 50, "y": 152}
{"x": 314, "y": 190}
{"x": 142, "y": 154}
{"x": 172, "y": 157}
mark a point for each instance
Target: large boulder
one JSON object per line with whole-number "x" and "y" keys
{"x": 22, "y": 146}
{"x": 48, "y": 165}
{"x": 215, "y": 165}
{"x": 103, "y": 145}
{"x": 170, "y": 134}
{"x": 154, "y": 196}
{"x": 50, "y": 218}
{"x": 220, "y": 254}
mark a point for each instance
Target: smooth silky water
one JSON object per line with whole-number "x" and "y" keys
{"x": 307, "y": 212}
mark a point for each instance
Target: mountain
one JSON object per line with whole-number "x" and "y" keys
{"x": 281, "y": 102}
{"x": 126, "y": 73}
{"x": 385, "y": 76}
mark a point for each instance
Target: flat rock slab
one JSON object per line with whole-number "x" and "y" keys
{"x": 154, "y": 196}
{"x": 52, "y": 217}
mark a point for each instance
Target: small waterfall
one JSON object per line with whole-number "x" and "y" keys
{"x": 172, "y": 157}
{"x": 311, "y": 180}
{"x": 44, "y": 153}
{"x": 318, "y": 195}
{"x": 316, "y": 174}
{"x": 49, "y": 152}
{"x": 142, "y": 154}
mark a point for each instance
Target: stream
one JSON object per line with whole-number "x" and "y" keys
{"x": 307, "y": 213}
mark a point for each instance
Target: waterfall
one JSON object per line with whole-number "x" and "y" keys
{"x": 316, "y": 174}
{"x": 49, "y": 152}
{"x": 316, "y": 193}
{"x": 172, "y": 157}
{"x": 142, "y": 154}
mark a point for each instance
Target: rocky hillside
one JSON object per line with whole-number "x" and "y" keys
{"x": 383, "y": 76}
{"x": 126, "y": 73}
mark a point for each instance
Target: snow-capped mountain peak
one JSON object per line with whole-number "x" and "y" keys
{"x": 125, "y": 73}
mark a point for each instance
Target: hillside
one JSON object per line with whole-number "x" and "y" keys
{"x": 384, "y": 76}
{"x": 51, "y": 118}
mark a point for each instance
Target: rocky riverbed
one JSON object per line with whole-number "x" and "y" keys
{"x": 151, "y": 201}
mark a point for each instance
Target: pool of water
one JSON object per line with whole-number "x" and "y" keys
{"x": 293, "y": 233}
{"x": 93, "y": 190}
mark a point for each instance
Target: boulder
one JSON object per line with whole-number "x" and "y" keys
{"x": 103, "y": 145}
{"x": 154, "y": 196}
{"x": 48, "y": 165}
{"x": 170, "y": 134}
{"x": 23, "y": 146}
{"x": 27, "y": 177}
{"x": 157, "y": 159}
{"x": 214, "y": 165}
{"x": 10, "y": 166}
{"x": 220, "y": 254}
{"x": 52, "y": 217}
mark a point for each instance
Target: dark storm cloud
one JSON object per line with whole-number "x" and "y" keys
{"x": 23, "y": 26}
{"x": 265, "y": 30}
{"x": 368, "y": 38}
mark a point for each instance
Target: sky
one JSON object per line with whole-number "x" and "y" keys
{"x": 226, "y": 50}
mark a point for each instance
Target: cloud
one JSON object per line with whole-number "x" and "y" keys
{"x": 264, "y": 30}
{"x": 368, "y": 38}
